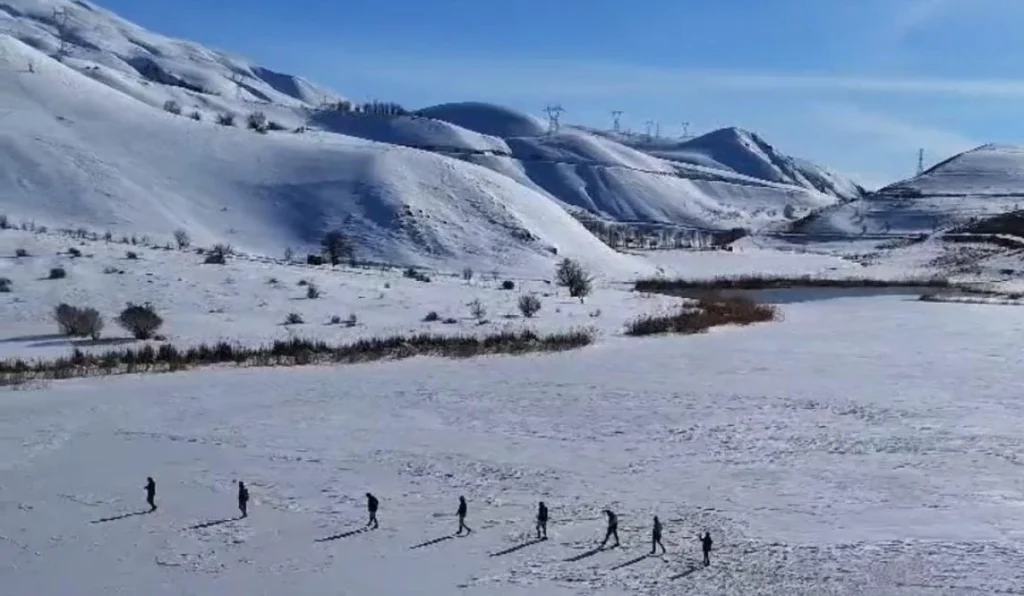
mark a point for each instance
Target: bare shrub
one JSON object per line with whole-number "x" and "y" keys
{"x": 142, "y": 321}
{"x": 477, "y": 309}
{"x": 290, "y": 352}
{"x": 74, "y": 252}
{"x": 351, "y": 321}
{"x": 312, "y": 291}
{"x": 274, "y": 125}
{"x": 508, "y": 284}
{"x": 256, "y": 121}
{"x": 226, "y": 119}
{"x": 529, "y": 305}
{"x": 708, "y": 312}
{"x": 572, "y": 275}
{"x": 173, "y": 107}
{"x": 5, "y": 224}
{"x": 293, "y": 318}
{"x": 336, "y": 246}
{"x": 5, "y": 285}
{"x": 763, "y": 282}
{"x": 467, "y": 274}
{"x": 195, "y": 115}
{"x": 131, "y": 255}
{"x": 289, "y": 254}
{"x": 20, "y": 252}
{"x": 431, "y": 317}
{"x": 335, "y": 320}
{"x": 182, "y": 238}
{"x": 57, "y": 273}
{"x": 76, "y": 321}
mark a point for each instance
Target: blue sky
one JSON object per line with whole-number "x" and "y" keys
{"x": 857, "y": 85}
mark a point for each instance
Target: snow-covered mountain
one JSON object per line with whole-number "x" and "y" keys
{"x": 587, "y": 170}
{"x": 746, "y": 153}
{"x": 110, "y": 126}
{"x": 984, "y": 181}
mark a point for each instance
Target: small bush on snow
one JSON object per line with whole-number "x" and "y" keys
{"x": 5, "y": 285}
{"x": 508, "y": 284}
{"x": 431, "y": 317}
{"x": 173, "y": 107}
{"x": 335, "y": 320}
{"x": 477, "y": 309}
{"x": 257, "y": 121}
{"x": 182, "y": 238}
{"x": 467, "y": 274}
{"x": 312, "y": 291}
{"x": 141, "y": 321}
{"x": 293, "y": 318}
{"x": 74, "y": 252}
{"x": 58, "y": 273}
{"x": 21, "y": 252}
{"x": 196, "y": 116}
{"x": 226, "y": 119}
{"x": 351, "y": 321}
{"x": 131, "y": 255}
{"x": 74, "y": 321}
{"x": 529, "y": 305}
{"x": 5, "y": 224}
{"x": 573, "y": 276}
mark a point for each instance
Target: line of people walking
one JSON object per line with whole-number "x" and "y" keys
{"x": 373, "y": 505}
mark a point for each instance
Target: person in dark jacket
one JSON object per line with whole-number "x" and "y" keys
{"x": 243, "y": 499}
{"x": 542, "y": 521}
{"x": 656, "y": 537}
{"x": 613, "y": 528}
{"x": 371, "y": 504}
{"x": 462, "y": 517}
{"x": 151, "y": 493}
{"x": 705, "y": 544}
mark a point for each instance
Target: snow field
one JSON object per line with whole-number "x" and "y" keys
{"x": 854, "y": 448}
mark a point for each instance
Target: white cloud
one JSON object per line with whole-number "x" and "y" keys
{"x": 895, "y": 134}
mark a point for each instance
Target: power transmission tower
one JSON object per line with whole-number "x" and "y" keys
{"x": 616, "y": 115}
{"x": 554, "y": 113}
{"x": 60, "y": 20}
{"x": 920, "y": 161}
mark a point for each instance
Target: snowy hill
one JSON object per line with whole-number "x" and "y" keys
{"x": 743, "y": 152}
{"x": 588, "y": 171}
{"x": 78, "y": 152}
{"x": 984, "y": 181}
{"x": 89, "y": 138}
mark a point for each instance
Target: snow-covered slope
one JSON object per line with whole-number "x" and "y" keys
{"x": 87, "y": 141}
{"x": 592, "y": 172}
{"x": 74, "y": 151}
{"x": 745, "y": 153}
{"x": 151, "y": 67}
{"x": 984, "y": 181}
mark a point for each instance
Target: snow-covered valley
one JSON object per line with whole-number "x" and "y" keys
{"x": 865, "y": 442}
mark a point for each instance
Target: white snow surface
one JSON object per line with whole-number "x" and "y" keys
{"x": 859, "y": 446}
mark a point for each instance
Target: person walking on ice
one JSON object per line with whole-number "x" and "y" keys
{"x": 542, "y": 521}
{"x": 371, "y": 504}
{"x": 656, "y": 537}
{"x": 243, "y": 499}
{"x": 462, "y": 517}
{"x": 151, "y": 493}
{"x": 613, "y": 528}
{"x": 705, "y": 544}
